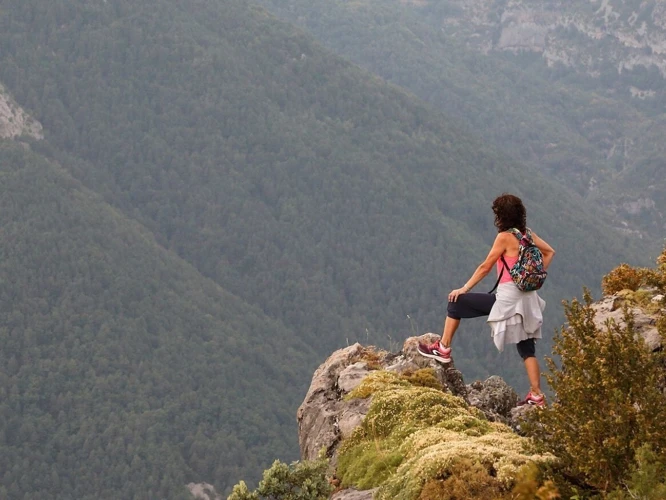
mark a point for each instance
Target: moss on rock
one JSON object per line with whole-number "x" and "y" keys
{"x": 377, "y": 381}
{"x": 414, "y": 435}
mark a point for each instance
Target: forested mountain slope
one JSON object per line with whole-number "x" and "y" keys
{"x": 336, "y": 203}
{"x": 333, "y": 202}
{"x": 581, "y": 124}
{"x": 123, "y": 372}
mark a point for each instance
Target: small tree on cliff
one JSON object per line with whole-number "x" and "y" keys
{"x": 608, "y": 402}
{"x": 299, "y": 481}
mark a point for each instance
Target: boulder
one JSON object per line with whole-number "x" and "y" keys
{"x": 352, "y": 494}
{"x": 494, "y": 397}
{"x": 319, "y": 414}
{"x": 611, "y": 307}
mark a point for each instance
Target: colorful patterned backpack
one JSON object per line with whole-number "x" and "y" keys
{"x": 527, "y": 273}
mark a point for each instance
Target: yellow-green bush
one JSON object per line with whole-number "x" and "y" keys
{"x": 467, "y": 479}
{"x": 623, "y": 277}
{"x": 608, "y": 402}
{"x": 531, "y": 485}
{"x": 423, "y": 378}
{"x": 415, "y": 436}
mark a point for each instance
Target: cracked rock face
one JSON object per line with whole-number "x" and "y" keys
{"x": 645, "y": 324}
{"x": 581, "y": 34}
{"x": 14, "y": 121}
{"x": 352, "y": 494}
{"x": 494, "y": 397}
{"x": 323, "y": 409}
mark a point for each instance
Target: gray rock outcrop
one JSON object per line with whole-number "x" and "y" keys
{"x": 325, "y": 417}
{"x": 352, "y": 494}
{"x": 494, "y": 397}
{"x": 203, "y": 491}
{"x": 645, "y": 323}
{"x": 14, "y": 121}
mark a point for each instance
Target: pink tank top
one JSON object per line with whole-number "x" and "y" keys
{"x": 506, "y": 276}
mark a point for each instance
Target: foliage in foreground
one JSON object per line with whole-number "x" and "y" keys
{"x": 607, "y": 426}
{"x": 299, "y": 481}
{"x": 417, "y": 442}
{"x": 648, "y": 478}
{"x": 608, "y": 398}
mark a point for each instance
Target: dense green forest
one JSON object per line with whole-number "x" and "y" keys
{"x": 219, "y": 202}
{"x": 598, "y": 143}
{"x": 125, "y": 373}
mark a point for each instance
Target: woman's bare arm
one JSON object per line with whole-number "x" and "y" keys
{"x": 499, "y": 247}
{"x": 546, "y": 250}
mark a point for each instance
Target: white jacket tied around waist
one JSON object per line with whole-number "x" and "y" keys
{"x": 515, "y": 316}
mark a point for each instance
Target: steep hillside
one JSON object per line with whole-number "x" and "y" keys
{"x": 123, "y": 372}
{"x": 338, "y": 204}
{"x": 615, "y": 46}
{"x": 589, "y": 130}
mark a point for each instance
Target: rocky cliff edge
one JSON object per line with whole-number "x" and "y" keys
{"x": 392, "y": 422}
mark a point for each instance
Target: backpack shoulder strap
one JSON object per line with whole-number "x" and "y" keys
{"x": 528, "y": 235}
{"x": 500, "y": 275}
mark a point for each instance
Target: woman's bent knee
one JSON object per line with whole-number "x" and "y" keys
{"x": 526, "y": 349}
{"x": 452, "y": 310}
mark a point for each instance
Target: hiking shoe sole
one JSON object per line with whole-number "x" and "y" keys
{"x": 435, "y": 357}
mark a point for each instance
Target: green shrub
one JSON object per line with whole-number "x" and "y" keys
{"x": 466, "y": 479}
{"x": 299, "y": 481}
{"x": 530, "y": 485}
{"x": 608, "y": 403}
{"x": 648, "y": 480}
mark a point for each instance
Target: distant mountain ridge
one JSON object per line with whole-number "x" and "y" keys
{"x": 592, "y": 37}
{"x": 615, "y": 48}
{"x": 582, "y": 125}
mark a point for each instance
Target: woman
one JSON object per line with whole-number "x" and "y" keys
{"x": 514, "y": 317}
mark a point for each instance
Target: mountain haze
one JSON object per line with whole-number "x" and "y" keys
{"x": 218, "y": 202}
{"x": 498, "y": 67}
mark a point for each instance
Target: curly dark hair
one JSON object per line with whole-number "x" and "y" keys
{"x": 509, "y": 212}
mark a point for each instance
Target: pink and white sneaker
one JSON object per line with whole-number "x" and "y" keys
{"x": 435, "y": 351}
{"x": 532, "y": 399}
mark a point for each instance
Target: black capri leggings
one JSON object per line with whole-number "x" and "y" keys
{"x": 475, "y": 305}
